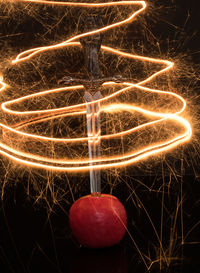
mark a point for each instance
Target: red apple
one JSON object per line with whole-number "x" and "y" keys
{"x": 98, "y": 221}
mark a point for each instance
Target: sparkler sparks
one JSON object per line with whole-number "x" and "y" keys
{"x": 16, "y": 131}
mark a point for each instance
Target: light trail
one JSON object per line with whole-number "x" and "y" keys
{"x": 13, "y": 133}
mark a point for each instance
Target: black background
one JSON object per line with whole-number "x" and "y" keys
{"x": 35, "y": 236}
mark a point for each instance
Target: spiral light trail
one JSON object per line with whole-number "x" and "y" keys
{"x": 10, "y": 134}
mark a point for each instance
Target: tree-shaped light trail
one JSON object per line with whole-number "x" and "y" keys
{"x": 23, "y": 118}
{"x": 15, "y": 140}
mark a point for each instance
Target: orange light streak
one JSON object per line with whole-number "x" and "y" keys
{"x": 22, "y": 156}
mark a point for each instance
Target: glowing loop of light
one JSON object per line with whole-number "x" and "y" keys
{"x": 29, "y": 158}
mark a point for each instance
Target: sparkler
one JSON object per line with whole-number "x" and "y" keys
{"x": 15, "y": 131}
{"x": 23, "y": 118}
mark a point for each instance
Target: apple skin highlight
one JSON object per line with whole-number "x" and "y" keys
{"x": 98, "y": 221}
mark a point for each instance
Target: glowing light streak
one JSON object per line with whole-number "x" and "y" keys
{"x": 21, "y": 156}
{"x": 31, "y": 52}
